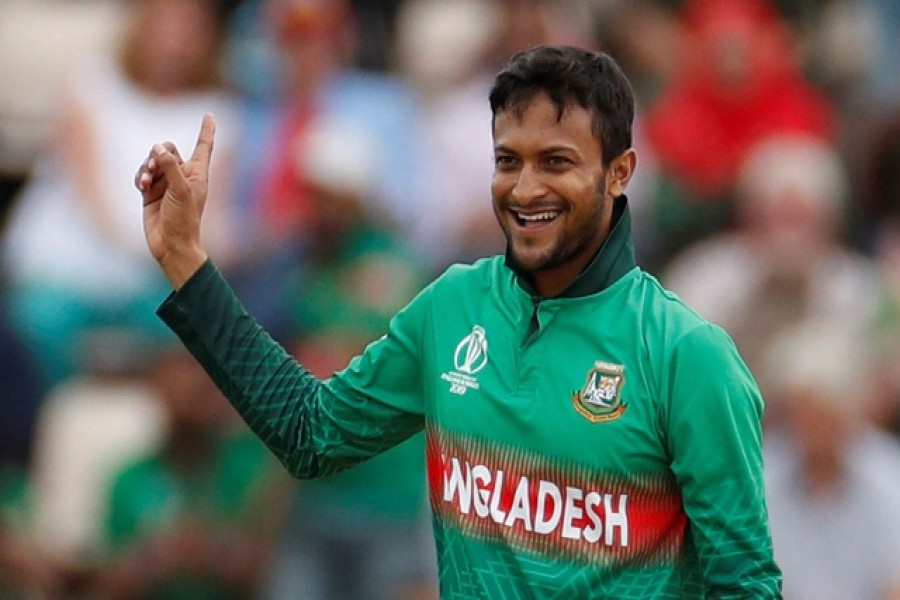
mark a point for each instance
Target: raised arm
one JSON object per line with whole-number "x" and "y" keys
{"x": 313, "y": 427}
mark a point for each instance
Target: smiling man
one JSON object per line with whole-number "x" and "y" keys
{"x": 553, "y": 185}
{"x": 588, "y": 436}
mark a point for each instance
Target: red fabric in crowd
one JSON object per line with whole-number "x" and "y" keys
{"x": 739, "y": 83}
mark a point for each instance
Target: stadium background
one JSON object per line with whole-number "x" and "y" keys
{"x": 768, "y": 196}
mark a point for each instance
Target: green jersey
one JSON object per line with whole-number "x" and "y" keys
{"x": 605, "y": 443}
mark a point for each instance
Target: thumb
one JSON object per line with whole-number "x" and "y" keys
{"x": 203, "y": 149}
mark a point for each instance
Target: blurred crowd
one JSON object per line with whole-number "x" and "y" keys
{"x": 353, "y": 161}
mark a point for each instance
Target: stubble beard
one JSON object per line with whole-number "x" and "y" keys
{"x": 564, "y": 249}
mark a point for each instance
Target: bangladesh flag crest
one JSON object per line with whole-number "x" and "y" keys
{"x": 600, "y": 399}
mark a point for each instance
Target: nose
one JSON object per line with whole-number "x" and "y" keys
{"x": 528, "y": 185}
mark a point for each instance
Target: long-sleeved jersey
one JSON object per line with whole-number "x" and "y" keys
{"x": 605, "y": 443}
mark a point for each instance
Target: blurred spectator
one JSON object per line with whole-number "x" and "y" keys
{"x": 74, "y": 250}
{"x": 786, "y": 260}
{"x": 832, "y": 487}
{"x": 313, "y": 47}
{"x": 374, "y": 24}
{"x": 312, "y": 43}
{"x": 358, "y": 272}
{"x": 644, "y": 37}
{"x": 371, "y": 519}
{"x": 193, "y": 518}
{"x": 87, "y": 426}
{"x": 852, "y": 48}
{"x": 738, "y": 81}
{"x": 33, "y": 72}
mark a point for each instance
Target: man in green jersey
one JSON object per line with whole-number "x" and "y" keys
{"x": 588, "y": 436}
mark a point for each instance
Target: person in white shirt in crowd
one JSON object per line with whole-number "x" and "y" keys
{"x": 831, "y": 478}
{"x": 786, "y": 261}
{"x": 73, "y": 249}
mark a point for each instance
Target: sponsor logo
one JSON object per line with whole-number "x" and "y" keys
{"x": 470, "y": 357}
{"x": 600, "y": 399}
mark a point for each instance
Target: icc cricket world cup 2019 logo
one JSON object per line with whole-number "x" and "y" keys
{"x": 470, "y": 357}
{"x": 471, "y": 353}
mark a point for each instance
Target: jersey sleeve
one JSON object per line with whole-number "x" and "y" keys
{"x": 714, "y": 438}
{"x": 315, "y": 428}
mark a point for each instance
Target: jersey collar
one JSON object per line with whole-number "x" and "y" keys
{"x": 614, "y": 259}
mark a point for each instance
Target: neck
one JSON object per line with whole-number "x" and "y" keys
{"x": 553, "y": 282}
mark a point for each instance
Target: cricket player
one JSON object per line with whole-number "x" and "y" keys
{"x": 588, "y": 436}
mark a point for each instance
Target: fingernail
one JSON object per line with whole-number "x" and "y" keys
{"x": 159, "y": 149}
{"x": 151, "y": 164}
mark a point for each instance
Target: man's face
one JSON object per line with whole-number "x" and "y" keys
{"x": 549, "y": 191}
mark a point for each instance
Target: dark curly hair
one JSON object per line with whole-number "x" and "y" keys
{"x": 571, "y": 76}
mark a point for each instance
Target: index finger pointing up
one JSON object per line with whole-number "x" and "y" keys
{"x": 203, "y": 149}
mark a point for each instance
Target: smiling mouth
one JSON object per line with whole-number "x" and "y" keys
{"x": 534, "y": 219}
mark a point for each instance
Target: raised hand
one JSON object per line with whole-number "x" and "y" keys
{"x": 174, "y": 194}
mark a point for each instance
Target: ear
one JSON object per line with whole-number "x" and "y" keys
{"x": 619, "y": 172}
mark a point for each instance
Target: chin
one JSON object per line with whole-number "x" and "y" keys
{"x": 529, "y": 261}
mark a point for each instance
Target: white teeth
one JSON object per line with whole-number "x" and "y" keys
{"x": 543, "y": 216}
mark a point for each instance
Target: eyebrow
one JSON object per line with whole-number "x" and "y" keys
{"x": 543, "y": 151}
{"x": 557, "y": 149}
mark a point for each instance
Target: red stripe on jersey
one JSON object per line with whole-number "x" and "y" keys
{"x": 533, "y": 503}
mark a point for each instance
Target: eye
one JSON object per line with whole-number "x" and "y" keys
{"x": 504, "y": 162}
{"x": 557, "y": 161}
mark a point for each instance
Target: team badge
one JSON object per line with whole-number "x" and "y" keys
{"x": 600, "y": 399}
